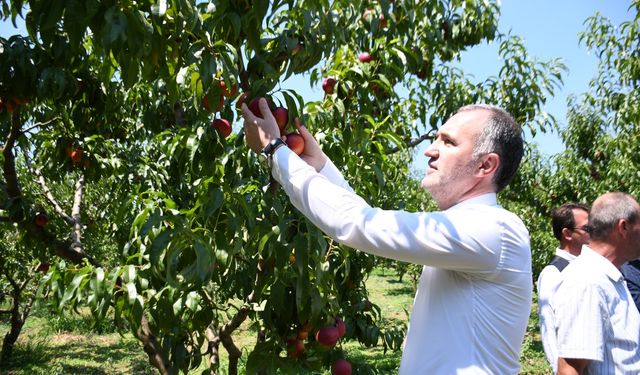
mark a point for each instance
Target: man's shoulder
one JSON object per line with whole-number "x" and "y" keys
{"x": 559, "y": 263}
{"x": 553, "y": 268}
{"x": 548, "y": 280}
{"x": 584, "y": 272}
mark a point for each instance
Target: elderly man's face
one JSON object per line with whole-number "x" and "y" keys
{"x": 451, "y": 167}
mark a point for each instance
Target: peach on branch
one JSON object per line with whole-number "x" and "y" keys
{"x": 328, "y": 336}
{"x": 223, "y": 126}
{"x": 341, "y": 367}
{"x": 295, "y": 142}
{"x": 328, "y": 85}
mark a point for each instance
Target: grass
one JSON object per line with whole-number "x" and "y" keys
{"x": 56, "y": 345}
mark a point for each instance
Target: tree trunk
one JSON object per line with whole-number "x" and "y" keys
{"x": 153, "y": 349}
{"x": 10, "y": 339}
{"x": 17, "y": 319}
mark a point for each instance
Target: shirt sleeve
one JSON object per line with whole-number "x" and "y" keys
{"x": 464, "y": 240}
{"x": 632, "y": 278}
{"x": 580, "y": 319}
{"x": 548, "y": 282}
{"x": 331, "y": 172}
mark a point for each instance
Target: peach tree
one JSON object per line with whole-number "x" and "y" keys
{"x": 160, "y": 218}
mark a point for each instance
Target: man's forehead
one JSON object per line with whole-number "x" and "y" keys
{"x": 466, "y": 121}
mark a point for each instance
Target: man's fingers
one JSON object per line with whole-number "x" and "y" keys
{"x": 301, "y": 128}
{"x": 247, "y": 114}
{"x": 266, "y": 111}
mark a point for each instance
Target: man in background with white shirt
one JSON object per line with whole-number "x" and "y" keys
{"x": 474, "y": 297}
{"x": 569, "y": 223}
{"x": 597, "y": 323}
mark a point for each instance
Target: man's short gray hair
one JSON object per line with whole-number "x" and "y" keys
{"x": 503, "y": 136}
{"x": 607, "y": 210}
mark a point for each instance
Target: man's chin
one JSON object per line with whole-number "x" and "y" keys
{"x": 428, "y": 184}
{"x": 425, "y": 184}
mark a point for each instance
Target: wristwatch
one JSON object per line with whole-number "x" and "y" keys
{"x": 271, "y": 147}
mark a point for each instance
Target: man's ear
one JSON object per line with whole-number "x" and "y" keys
{"x": 490, "y": 163}
{"x": 622, "y": 227}
{"x": 566, "y": 234}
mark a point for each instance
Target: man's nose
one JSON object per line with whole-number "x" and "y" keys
{"x": 431, "y": 151}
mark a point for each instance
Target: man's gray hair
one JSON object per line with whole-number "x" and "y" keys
{"x": 607, "y": 210}
{"x": 503, "y": 136}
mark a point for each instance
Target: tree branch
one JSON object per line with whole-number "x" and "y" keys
{"x": 224, "y": 333}
{"x": 74, "y": 250}
{"x": 9, "y": 170}
{"x": 47, "y": 192}
{"x": 414, "y": 142}
{"x": 153, "y": 348}
{"x": 75, "y": 213}
{"x": 39, "y": 124}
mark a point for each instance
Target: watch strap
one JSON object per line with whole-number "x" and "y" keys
{"x": 271, "y": 147}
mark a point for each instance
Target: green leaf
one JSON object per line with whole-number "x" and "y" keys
{"x": 178, "y": 306}
{"x": 71, "y": 290}
{"x": 204, "y": 260}
{"x": 130, "y": 273}
{"x": 159, "y": 9}
{"x": 132, "y": 293}
{"x": 193, "y": 300}
{"x": 159, "y": 247}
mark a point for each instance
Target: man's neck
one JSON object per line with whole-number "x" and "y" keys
{"x": 608, "y": 251}
{"x": 572, "y": 249}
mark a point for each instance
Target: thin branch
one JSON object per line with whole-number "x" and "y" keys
{"x": 39, "y": 124}
{"x": 75, "y": 212}
{"x": 47, "y": 192}
{"x": 414, "y": 142}
{"x": 326, "y": 257}
{"x": 9, "y": 166}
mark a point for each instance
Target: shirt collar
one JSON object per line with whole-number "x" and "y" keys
{"x": 609, "y": 269}
{"x": 565, "y": 254}
{"x": 489, "y": 199}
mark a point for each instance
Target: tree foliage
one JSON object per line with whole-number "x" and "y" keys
{"x": 601, "y": 137}
{"x": 159, "y": 219}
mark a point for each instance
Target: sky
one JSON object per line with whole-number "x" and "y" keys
{"x": 550, "y": 30}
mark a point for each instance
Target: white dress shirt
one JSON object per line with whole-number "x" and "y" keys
{"x": 596, "y": 317}
{"x": 548, "y": 283}
{"x": 474, "y": 297}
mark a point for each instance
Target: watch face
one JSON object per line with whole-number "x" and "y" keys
{"x": 270, "y": 147}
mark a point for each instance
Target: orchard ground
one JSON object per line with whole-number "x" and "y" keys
{"x": 53, "y": 344}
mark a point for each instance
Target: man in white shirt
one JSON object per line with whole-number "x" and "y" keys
{"x": 569, "y": 223}
{"x": 598, "y": 325}
{"x": 474, "y": 297}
